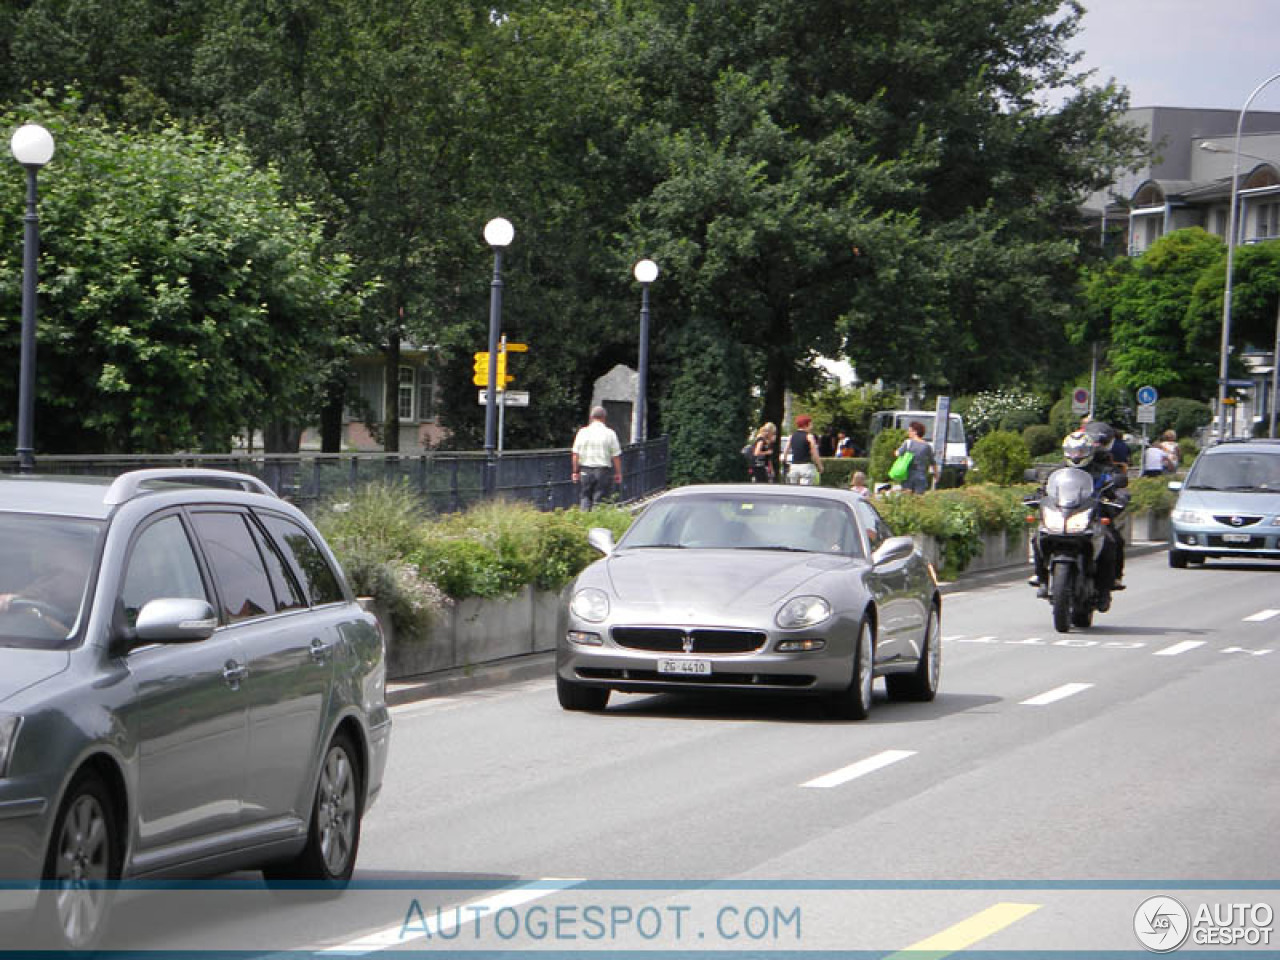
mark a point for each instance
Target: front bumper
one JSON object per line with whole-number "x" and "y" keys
{"x": 24, "y": 821}
{"x": 1219, "y": 540}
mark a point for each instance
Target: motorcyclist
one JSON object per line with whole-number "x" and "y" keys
{"x": 1090, "y": 450}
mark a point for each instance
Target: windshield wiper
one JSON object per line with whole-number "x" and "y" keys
{"x": 657, "y": 546}
{"x": 779, "y": 548}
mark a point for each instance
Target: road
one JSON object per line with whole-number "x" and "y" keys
{"x": 1056, "y": 782}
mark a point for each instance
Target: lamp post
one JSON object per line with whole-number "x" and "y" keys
{"x": 498, "y": 233}
{"x": 646, "y": 271}
{"x": 32, "y": 146}
{"x": 1225, "y": 350}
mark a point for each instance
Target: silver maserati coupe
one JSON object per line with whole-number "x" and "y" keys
{"x": 740, "y": 587}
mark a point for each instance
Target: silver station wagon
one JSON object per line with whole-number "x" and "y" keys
{"x": 187, "y": 687}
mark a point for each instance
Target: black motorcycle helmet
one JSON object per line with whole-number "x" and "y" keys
{"x": 1102, "y": 433}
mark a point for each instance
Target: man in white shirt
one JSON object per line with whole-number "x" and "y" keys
{"x": 596, "y": 452}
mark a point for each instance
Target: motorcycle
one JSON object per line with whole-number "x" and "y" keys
{"x": 1072, "y": 540}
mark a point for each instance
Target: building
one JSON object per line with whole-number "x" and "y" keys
{"x": 417, "y": 395}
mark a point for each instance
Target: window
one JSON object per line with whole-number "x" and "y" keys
{"x": 426, "y": 394}
{"x": 287, "y": 592}
{"x": 404, "y": 397}
{"x": 238, "y": 570}
{"x": 308, "y": 561}
{"x": 161, "y": 565}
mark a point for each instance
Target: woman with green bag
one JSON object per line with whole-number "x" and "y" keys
{"x": 922, "y": 467}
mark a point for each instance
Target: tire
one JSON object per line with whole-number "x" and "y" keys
{"x": 81, "y": 869}
{"x": 854, "y": 702}
{"x": 1082, "y": 617}
{"x": 921, "y": 684}
{"x": 1177, "y": 559}
{"x": 578, "y": 696}
{"x": 1061, "y": 590}
{"x": 333, "y": 836}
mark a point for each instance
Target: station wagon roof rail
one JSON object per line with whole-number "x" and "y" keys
{"x": 127, "y": 486}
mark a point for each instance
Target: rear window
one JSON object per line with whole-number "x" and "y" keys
{"x": 45, "y": 566}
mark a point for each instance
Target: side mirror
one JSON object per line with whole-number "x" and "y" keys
{"x": 601, "y": 538}
{"x": 1175, "y": 485}
{"x": 175, "y": 620}
{"x": 893, "y": 550}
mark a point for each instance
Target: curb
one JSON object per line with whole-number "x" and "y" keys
{"x": 536, "y": 666}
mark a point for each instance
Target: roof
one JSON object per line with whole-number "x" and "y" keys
{"x": 763, "y": 491}
{"x": 97, "y": 497}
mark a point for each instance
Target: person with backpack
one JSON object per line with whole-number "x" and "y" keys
{"x": 760, "y": 458}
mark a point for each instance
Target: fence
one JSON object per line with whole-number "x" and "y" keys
{"x": 446, "y": 481}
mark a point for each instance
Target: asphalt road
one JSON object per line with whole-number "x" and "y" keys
{"x": 1056, "y": 782}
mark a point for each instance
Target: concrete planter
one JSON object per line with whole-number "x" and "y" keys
{"x": 476, "y": 631}
{"x": 999, "y": 550}
{"x": 1150, "y": 525}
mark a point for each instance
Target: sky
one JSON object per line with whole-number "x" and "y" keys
{"x": 1185, "y": 53}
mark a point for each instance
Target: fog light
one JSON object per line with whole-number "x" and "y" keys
{"x": 585, "y": 639}
{"x": 800, "y": 646}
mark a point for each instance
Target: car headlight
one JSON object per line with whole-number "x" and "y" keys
{"x": 590, "y": 604}
{"x": 803, "y": 612}
{"x": 8, "y": 737}
{"x": 1187, "y": 516}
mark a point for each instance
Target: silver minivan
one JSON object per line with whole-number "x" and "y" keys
{"x": 187, "y": 687}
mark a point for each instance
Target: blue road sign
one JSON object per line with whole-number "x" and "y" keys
{"x": 1147, "y": 395}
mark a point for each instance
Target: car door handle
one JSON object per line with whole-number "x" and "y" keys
{"x": 233, "y": 673}
{"x": 320, "y": 651}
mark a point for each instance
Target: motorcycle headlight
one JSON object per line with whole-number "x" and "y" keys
{"x": 1187, "y": 516}
{"x": 8, "y": 739}
{"x": 803, "y": 612}
{"x": 590, "y": 604}
{"x": 1078, "y": 522}
{"x": 1052, "y": 519}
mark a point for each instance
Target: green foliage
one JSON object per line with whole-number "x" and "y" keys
{"x": 838, "y": 471}
{"x": 1189, "y": 450}
{"x": 388, "y": 516}
{"x": 1150, "y": 493}
{"x": 1111, "y": 403}
{"x": 846, "y": 408}
{"x": 882, "y": 453}
{"x": 1001, "y": 410}
{"x": 957, "y": 518}
{"x": 1182, "y": 415}
{"x": 1041, "y": 439}
{"x": 1001, "y": 457}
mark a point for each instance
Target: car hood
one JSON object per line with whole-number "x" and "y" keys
{"x": 713, "y": 579}
{"x": 22, "y": 667}
{"x": 1227, "y": 502}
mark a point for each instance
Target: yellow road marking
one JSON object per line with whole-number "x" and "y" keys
{"x": 966, "y": 933}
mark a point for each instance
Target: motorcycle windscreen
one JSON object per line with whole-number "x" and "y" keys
{"x": 1069, "y": 487}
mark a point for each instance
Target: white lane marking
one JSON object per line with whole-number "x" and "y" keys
{"x": 417, "y": 927}
{"x": 987, "y": 639}
{"x": 1178, "y": 648}
{"x": 1254, "y": 653}
{"x": 1056, "y": 694}
{"x": 859, "y": 769}
{"x": 1262, "y": 615}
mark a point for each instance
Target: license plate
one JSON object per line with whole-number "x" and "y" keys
{"x": 1236, "y": 538}
{"x": 701, "y": 668}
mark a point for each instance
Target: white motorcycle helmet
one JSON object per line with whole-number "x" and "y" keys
{"x": 1078, "y": 449}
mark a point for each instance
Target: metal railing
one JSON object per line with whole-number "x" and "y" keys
{"x": 446, "y": 481}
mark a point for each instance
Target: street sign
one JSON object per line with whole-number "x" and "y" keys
{"x": 508, "y": 398}
{"x": 1146, "y": 413}
{"x": 1080, "y": 401}
{"x": 1239, "y": 383}
{"x": 1147, "y": 396}
{"x": 517, "y": 347}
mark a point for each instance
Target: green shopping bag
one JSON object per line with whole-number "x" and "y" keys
{"x": 901, "y": 467}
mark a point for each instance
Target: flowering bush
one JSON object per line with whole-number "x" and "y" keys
{"x": 988, "y": 410}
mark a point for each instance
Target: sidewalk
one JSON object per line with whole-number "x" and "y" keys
{"x": 542, "y": 665}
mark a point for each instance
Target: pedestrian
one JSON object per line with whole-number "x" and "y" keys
{"x": 806, "y": 462}
{"x": 1155, "y": 461}
{"x": 923, "y": 469}
{"x": 1169, "y": 443}
{"x": 596, "y": 454}
{"x": 859, "y": 485}
{"x": 827, "y": 442}
{"x": 762, "y": 454}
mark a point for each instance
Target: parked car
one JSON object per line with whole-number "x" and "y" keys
{"x": 1229, "y": 504}
{"x": 753, "y": 588}
{"x": 187, "y": 686}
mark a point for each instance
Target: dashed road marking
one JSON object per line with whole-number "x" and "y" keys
{"x": 1056, "y": 694}
{"x": 860, "y": 769}
{"x": 1262, "y": 615}
{"x": 1178, "y": 648}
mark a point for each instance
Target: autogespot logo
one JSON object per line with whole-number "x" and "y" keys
{"x": 1162, "y": 924}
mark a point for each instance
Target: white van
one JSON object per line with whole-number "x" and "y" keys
{"x": 956, "y": 457}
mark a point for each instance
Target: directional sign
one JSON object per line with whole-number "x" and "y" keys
{"x": 517, "y": 347}
{"x": 508, "y": 398}
{"x": 1147, "y": 395}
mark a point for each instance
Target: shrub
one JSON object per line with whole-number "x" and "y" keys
{"x": 1182, "y": 415}
{"x": 957, "y": 518}
{"x": 1150, "y": 493}
{"x": 1001, "y": 457}
{"x": 1189, "y": 450}
{"x": 988, "y": 411}
{"x": 838, "y": 471}
{"x": 882, "y": 456}
{"x": 388, "y": 515}
{"x": 1041, "y": 439}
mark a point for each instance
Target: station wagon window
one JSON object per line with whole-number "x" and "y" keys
{"x": 161, "y": 565}
{"x": 307, "y": 559}
{"x": 288, "y": 593}
{"x": 237, "y": 566}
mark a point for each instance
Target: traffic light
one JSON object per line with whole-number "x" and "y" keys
{"x": 481, "y": 370}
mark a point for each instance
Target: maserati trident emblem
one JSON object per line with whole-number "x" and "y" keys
{"x": 687, "y": 643}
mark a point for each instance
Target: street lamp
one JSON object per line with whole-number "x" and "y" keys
{"x": 646, "y": 271}
{"x": 32, "y": 146}
{"x": 1224, "y": 353}
{"x": 498, "y": 233}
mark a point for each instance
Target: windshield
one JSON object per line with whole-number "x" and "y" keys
{"x": 1069, "y": 487}
{"x": 727, "y": 522}
{"x": 44, "y": 570}
{"x": 1247, "y": 471}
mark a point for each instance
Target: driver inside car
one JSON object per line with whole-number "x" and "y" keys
{"x": 51, "y": 591}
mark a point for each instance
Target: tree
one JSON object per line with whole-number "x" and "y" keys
{"x": 183, "y": 300}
